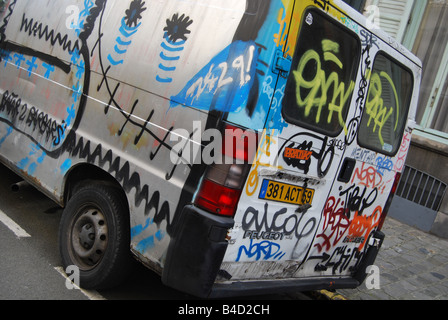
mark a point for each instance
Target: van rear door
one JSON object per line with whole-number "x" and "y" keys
{"x": 301, "y": 150}
{"x": 327, "y": 162}
{"x": 375, "y": 150}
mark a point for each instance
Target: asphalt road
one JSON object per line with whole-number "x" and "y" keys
{"x": 30, "y": 266}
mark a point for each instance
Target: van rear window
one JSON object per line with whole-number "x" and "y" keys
{"x": 323, "y": 75}
{"x": 387, "y": 106}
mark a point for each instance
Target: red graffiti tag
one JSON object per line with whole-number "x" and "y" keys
{"x": 335, "y": 224}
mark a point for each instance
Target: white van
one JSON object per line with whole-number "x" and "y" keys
{"x": 232, "y": 146}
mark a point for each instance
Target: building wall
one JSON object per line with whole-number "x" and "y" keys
{"x": 421, "y": 26}
{"x": 432, "y": 157}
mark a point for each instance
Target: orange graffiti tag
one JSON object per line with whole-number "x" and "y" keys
{"x": 362, "y": 226}
{"x": 297, "y": 154}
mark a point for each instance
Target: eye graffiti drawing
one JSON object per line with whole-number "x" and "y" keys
{"x": 177, "y": 28}
{"x": 130, "y": 24}
{"x": 174, "y": 39}
{"x": 134, "y": 13}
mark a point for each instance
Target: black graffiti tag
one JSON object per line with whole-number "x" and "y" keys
{"x": 357, "y": 200}
{"x": 279, "y": 222}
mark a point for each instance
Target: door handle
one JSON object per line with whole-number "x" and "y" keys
{"x": 347, "y": 170}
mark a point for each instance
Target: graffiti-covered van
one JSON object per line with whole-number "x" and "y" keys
{"x": 231, "y": 146}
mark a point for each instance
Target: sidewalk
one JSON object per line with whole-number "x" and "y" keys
{"x": 413, "y": 266}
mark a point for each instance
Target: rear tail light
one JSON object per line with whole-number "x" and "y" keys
{"x": 389, "y": 200}
{"x": 221, "y": 187}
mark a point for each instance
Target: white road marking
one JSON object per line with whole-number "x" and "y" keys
{"x": 14, "y": 227}
{"x": 90, "y": 294}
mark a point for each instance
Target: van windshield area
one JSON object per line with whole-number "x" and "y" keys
{"x": 320, "y": 87}
{"x": 387, "y": 106}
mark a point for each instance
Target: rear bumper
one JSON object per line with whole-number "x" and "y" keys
{"x": 197, "y": 250}
{"x": 280, "y": 286}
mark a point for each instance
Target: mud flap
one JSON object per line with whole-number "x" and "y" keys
{"x": 361, "y": 274}
{"x": 196, "y": 252}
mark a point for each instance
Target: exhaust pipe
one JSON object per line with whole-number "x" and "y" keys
{"x": 16, "y": 187}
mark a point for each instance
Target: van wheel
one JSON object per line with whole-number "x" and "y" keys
{"x": 94, "y": 236}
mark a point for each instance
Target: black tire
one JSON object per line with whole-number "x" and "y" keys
{"x": 94, "y": 236}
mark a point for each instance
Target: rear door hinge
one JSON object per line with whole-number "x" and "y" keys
{"x": 281, "y": 65}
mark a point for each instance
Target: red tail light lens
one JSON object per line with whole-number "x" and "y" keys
{"x": 221, "y": 187}
{"x": 217, "y": 199}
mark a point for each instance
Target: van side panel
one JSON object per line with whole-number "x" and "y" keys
{"x": 128, "y": 87}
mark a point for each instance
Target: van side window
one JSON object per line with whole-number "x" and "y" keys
{"x": 387, "y": 105}
{"x": 323, "y": 75}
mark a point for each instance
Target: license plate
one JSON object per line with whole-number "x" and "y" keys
{"x": 287, "y": 193}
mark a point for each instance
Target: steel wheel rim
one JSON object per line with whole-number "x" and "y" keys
{"x": 89, "y": 238}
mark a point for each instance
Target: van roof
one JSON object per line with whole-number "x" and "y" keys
{"x": 380, "y": 33}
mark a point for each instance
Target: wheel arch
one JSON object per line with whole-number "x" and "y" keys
{"x": 85, "y": 173}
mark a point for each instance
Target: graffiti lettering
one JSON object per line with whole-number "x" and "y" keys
{"x": 367, "y": 176}
{"x": 279, "y": 226}
{"x": 369, "y": 39}
{"x": 365, "y": 71}
{"x": 339, "y": 260}
{"x": 384, "y": 164}
{"x": 355, "y": 200}
{"x": 335, "y": 224}
{"x": 264, "y": 250}
{"x": 251, "y": 219}
{"x": 298, "y": 154}
{"x": 363, "y": 155}
{"x": 287, "y": 225}
{"x": 375, "y": 108}
{"x": 401, "y": 157}
{"x": 362, "y": 226}
{"x": 337, "y": 143}
{"x": 224, "y": 77}
{"x": 320, "y": 83}
{"x": 11, "y": 104}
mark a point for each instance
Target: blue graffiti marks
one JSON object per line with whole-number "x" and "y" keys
{"x": 174, "y": 39}
{"x": 129, "y": 26}
{"x": 264, "y": 250}
{"x": 30, "y": 65}
{"x": 66, "y": 165}
{"x": 145, "y": 244}
{"x": 223, "y": 84}
{"x": 384, "y": 164}
{"x": 169, "y": 54}
{"x": 27, "y": 164}
{"x": 8, "y": 133}
{"x": 122, "y": 42}
{"x": 148, "y": 242}
{"x": 137, "y": 230}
